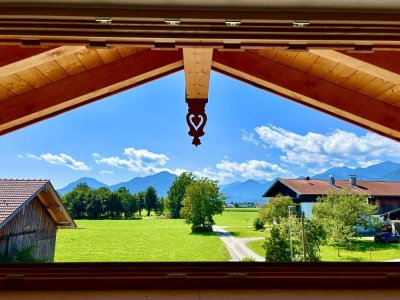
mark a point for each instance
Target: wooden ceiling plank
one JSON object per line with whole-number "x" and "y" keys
{"x": 304, "y": 61}
{"x": 311, "y": 91}
{"x": 5, "y": 93}
{"x": 125, "y": 51}
{"x": 71, "y": 64}
{"x": 15, "y": 84}
{"x": 351, "y": 60}
{"x": 267, "y": 53}
{"x": 376, "y": 87}
{"x": 108, "y": 54}
{"x": 32, "y": 61}
{"x": 33, "y": 77}
{"x": 52, "y": 70}
{"x": 89, "y": 58}
{"x": 339, "y": 74}
{"x": 391, "y": 95}
{"x": 358, "y": 80}
{"x": 285, "y": 57}
{"x": 74, "y": 91}
{"x": 321, "y": 67}
{"x": 197, "y": 64}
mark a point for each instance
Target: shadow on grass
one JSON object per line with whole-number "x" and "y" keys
{"x": 211, "y": 233}
{"x": 366, "y": 246}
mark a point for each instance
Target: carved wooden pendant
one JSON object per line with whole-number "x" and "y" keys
{"x": 196, "y": 118}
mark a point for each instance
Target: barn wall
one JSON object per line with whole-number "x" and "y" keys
{"x": 31, "y": 226}
{"x": 387, "y": 204}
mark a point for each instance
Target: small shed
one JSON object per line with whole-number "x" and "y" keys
{"x": 31, "y": 211}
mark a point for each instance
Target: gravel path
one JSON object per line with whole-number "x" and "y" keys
{"x": 237, "y": 246}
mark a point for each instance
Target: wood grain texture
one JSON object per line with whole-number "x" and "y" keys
{"x": 309, "y": 90}
{"x": 197, "y": 64}
{"x": 33, "y": 57}
{"x": 74, "y": 91}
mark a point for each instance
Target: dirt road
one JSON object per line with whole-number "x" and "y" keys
{"x": 237, "y": 246}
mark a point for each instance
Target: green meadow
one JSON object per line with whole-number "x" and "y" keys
{"x": 363, "y": 250}
{"x": 148, "y": 239}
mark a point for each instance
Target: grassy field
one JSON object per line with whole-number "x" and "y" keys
{"x": 364, "y": 250}
{"x": 237, "y": 217}
{"x": 244, "y": 232}
{"x": 137, "y": 240}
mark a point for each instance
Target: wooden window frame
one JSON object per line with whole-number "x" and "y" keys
{"x": 177, "y": 275}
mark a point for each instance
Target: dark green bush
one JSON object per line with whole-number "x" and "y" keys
{"x": 258, "y": 224}
{"x": 199, "y": 229}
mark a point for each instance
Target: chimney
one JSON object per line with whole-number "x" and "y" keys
{"x": 331, "y": 180}
{"x": 353, "y": 180}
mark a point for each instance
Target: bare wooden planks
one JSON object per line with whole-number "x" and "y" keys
{"x": 312, "y": 91}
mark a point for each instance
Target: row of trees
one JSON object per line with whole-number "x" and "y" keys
{"x": 336, "y": 219}
{"x": 84, "y": 202}
{"x": 196, "y": 200}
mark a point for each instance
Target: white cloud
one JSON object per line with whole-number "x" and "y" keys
{"x": 139, "y": 161}
{"x": 251, "y": 169}
{"x": 317, "y": 151}
{"x": 365, "y": 164}
{"x": 59, "y": 159}
{"x": 249, "y": 137}
{"x": 104, "y": 172}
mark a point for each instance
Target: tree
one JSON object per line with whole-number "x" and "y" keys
{"x": 95, "y": 208}
{"x": 202, "y": 201}
{"x": 77, "y": 200}
{"x": 129, "y": 201}
{"x": 176, "y": 193}
{"x": 340, "y": 214}
{"x": 314, "y": 237}
{"x": 160, "y": 206}
{"x": 275, "y": 209}
{"x": 277, "y": 247}
{"x": 141, "y": 202}
{"x": 151, "y": 199}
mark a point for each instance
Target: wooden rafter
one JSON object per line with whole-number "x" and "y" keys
{"x": 13, "y": 54}
{"x": 36, "y": 59}
{"x": 197, "y": 65}
{"x": 77, "y": 90}
{"x": 366, "y": 63}
{"x": 311, "y": 91}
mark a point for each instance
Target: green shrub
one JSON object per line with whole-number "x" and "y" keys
{"x": 258, "y": 224}
{"x": 24, "y": 255}
{"x": 247, "y": 259}
{"x": 199, "y": 228}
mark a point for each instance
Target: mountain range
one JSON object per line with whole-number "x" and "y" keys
{"x": 248, "y": 191}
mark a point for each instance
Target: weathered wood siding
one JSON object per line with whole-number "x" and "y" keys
{"x": 31, "y": 226}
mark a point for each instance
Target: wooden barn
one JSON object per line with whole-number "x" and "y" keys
{"x": 31, "y": 211}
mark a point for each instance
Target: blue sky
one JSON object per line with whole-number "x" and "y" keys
{"x": 249, "y": 134}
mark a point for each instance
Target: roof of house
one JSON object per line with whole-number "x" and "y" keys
{"x": 322, "y": 187}
{"x": 16, "y": 193}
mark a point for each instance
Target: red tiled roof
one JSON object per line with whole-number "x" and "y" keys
{"x": 14, "y": 193}
{"x": 322, "y": 187}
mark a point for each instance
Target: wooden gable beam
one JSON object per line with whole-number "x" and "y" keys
{"x": 33, "y": 58}
{"x": 311, "y": 91}
{"x": 86, "y": 87}
{"x": 381, "y": 65}
{"x": 197, "y": 64}
{"x": 12, "y": 54}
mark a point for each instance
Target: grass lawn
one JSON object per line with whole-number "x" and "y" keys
{"x": 245, "y": 232}
{"x": 364, "y": 250}
{"x": 149, "y": 239}
{"x": 237, "y": 217}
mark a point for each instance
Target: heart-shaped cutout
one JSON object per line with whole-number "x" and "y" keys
{"x": 199, "y": 122}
